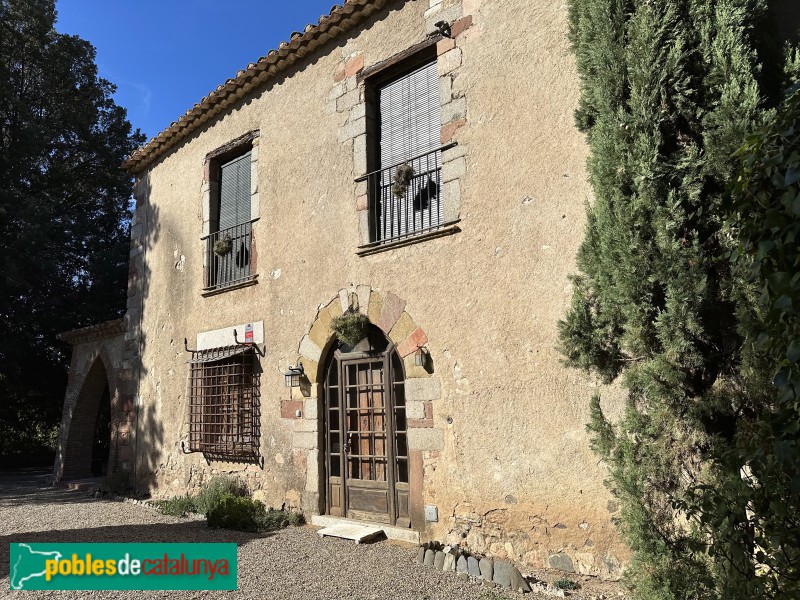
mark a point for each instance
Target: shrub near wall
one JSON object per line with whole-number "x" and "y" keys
{"x": 225, "y": 504}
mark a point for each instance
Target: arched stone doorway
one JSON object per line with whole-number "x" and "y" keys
{"x": 399, "y": 338}
{"x": 83, "y": 449}
{"x": 95, "y": 426}
{"x": 366, "y": 472}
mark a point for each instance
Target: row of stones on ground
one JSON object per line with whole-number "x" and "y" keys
{"x": 490, "y": 572}
{"x": 99, "y": 494}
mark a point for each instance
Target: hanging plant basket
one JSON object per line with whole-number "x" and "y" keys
{"x": 402, "y": 179}
{"x": 351, "y": 327}
{"x": 223, "y": 247}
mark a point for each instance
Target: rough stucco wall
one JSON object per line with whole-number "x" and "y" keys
{"x": 516, "y": 476}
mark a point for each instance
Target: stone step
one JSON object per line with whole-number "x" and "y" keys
{"x": 349, "y": 531}
{"x": 400, "y": 534}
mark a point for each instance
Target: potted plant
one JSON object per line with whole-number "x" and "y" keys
{"x": 223, "y": 246}
{"x": 351, "y": 327}
{"x": 402, "y": 179}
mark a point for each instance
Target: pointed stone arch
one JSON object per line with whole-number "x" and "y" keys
{"x": 95, "y": 367}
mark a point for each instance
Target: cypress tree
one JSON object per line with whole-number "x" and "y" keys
{"x": 669, "y": 90}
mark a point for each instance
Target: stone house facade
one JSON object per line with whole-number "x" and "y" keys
{"x": 414, "y": 162}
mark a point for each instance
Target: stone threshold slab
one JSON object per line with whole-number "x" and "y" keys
{"x": 348, "y": 531}
{"x": 400, "y": 534}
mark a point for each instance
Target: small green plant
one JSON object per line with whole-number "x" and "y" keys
{"x": 351, "y": 327}
{"x": 223, "y": 247}
{"x": 177, "y": 507}
{"x": 119, "y": 482}
{"x": 239, "y": 513}
{"x": 211, "y": 494}
{"x": 278, "y": 519}
{"x": 402, "y": 178}
{"x": 296, "y": 519}
{"x": 566, "y": 584}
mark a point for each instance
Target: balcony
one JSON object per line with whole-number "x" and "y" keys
{"x": 405, "y": 199}
{"x": 229, "y": 257}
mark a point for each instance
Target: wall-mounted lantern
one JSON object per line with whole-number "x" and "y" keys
{"x": 419, "y": 357}
{"x": 294, "y": 375}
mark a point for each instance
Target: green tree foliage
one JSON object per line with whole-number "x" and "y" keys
{"x": 670, "y": 89}
{"x": 63, "y": 211}
{"x": 765, "y": 218}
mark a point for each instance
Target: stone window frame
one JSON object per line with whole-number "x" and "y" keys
{"x": 249, "y": 142}
{"x": 357, "y": 98}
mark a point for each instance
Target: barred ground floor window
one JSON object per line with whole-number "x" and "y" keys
{"x": 225, "y": 400}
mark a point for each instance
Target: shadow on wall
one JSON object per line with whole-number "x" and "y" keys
{"x": 151, "y": 430}
{"x": 147, "y": 430}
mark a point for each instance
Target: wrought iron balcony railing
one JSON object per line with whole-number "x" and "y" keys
{"x": 405, "y": 199}
{"x": 229, "y": 254}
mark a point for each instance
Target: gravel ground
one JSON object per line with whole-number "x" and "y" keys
{"x": 294, "y": 563}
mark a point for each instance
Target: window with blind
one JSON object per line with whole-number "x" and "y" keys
{"x": 224, "y": 403}
{"x": 228, "y": 247}
{"x": 405, "y": 198}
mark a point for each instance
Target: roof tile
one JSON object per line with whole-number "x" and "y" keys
{"x": 341, "y": 19}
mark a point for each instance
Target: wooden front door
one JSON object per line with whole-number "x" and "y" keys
{"x": 366, "y": 455}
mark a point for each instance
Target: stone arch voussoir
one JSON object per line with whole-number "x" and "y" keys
{"x": 385, "y": 311}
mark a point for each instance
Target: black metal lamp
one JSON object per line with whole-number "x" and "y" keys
{"x": 419, "y": 357}
{"x": 294, "y": 375}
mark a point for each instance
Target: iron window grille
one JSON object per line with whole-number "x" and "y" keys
{"x": 232, "y": 267}
{"x": 225, "y": 401}
{"x": 397, "y": 214}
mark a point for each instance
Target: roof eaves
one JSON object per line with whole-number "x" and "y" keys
{"x": 93, "y": 332}
{"x": 340, "y": 20}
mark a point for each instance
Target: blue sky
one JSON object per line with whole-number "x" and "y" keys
{"x": 164, "y": 56}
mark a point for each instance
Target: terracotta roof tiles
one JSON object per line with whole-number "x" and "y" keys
{"x": 341, "y": 19}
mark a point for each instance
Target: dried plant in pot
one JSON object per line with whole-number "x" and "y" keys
{"x": 351, "y": 327}
{"x": 402, "y": 179}
{"x": 223, "y": 247}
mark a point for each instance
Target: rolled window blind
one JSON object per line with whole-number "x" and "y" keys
{"x": 410, "y": 115}
{"x": 410, "y": 126}
{"x": 234, "y": 192}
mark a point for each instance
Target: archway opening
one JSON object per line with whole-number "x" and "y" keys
{"x": 86, "y": 452}
{"x": 101, "y": 445}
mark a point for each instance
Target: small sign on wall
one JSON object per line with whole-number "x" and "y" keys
{"x": 219, "y": 338}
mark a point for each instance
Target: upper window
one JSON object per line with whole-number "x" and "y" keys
{"x": 224, "y": 403}
{"x": 405, "y": 187}
{"x": 231, "y": 205}
{"x": 229, "y": 247}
